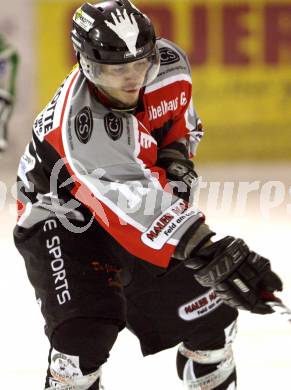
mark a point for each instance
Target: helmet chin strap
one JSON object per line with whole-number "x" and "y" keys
{"x": 117, "y": 105}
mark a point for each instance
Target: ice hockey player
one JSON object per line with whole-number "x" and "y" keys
{"x": 8, "y": 70}
{"x": 105, "y": 227}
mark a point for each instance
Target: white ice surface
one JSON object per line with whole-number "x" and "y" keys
{"x": 262, "y": 348}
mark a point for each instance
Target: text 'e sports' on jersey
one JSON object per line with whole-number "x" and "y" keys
{"x": 88, "y": 160}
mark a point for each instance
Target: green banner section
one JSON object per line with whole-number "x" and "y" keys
{"x": 240, "y": 52}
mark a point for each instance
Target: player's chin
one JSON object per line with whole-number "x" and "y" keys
{"x": 130, "y": 96}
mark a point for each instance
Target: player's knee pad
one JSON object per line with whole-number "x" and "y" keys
{"x": 79, "y": 348}
{"x": 207, "y": 369}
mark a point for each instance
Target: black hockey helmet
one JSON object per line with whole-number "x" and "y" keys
{"x": 112, "y": 32}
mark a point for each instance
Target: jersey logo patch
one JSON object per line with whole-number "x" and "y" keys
{"x": 166, "y": 225}
{"x": 113, "y": 126}
{"x": 199, "y": 306}
{"x": 84, "y": 125}
{"x": 126, "y": 28}
{"x": 168, "y": 56}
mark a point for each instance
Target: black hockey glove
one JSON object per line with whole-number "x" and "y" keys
{"x": 179, "y": 169}
{"x": 239, "y": 276}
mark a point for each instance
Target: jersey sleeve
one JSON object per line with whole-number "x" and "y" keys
{"x": 186, "y": 127}
{"x": 171, "y": 108}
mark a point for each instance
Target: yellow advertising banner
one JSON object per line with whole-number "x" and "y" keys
{"x": 240, "y": 52}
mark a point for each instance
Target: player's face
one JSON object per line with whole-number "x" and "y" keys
{"x": 123, "y": 82}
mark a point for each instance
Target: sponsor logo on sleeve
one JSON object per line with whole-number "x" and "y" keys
{"x": 84, "y": 125}
{"x": 199, "y": 306}
{"x": 168, "y": 56}
{"x": 167, "y": 106}
{"x": 163, "y": 228}
{"x": 47, "y": 120}
{"x": 113, "y": 126}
